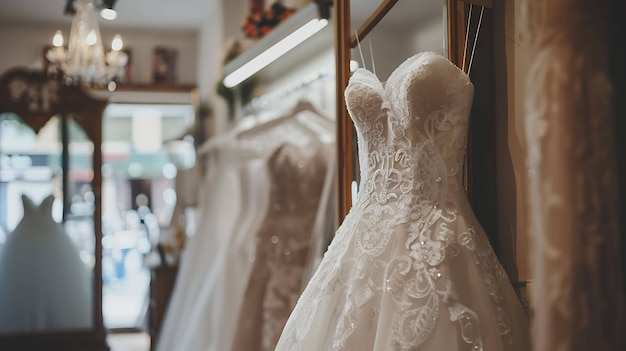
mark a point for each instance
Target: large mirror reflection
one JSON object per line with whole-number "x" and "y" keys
{"x": 47, "y": 254}
{"x": 47, "y": 237}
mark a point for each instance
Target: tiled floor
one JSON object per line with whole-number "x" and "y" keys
{"x": 129, "y": 342}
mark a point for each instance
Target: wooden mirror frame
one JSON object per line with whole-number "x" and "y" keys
{"x": 456, "y": 28}
{"x": 36, "y": 98}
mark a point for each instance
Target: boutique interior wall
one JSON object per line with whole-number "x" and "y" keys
{"x": 23, "y": 44}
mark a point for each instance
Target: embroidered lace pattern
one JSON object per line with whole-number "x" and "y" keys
{"x": 282, "y": 246}
{"x": 411, "y": 218}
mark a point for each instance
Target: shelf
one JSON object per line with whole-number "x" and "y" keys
{"x": 156, "y": 87}
{"x": 142, "y": 93}
{"x": 289, "y": 26}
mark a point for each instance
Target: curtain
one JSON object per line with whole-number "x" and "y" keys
{"x": 577, "y": 295}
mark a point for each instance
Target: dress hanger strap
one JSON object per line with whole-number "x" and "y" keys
{"x": 468, "y": 69}
{"x": 358, "y": 43}
{"x": 372, "y": 57}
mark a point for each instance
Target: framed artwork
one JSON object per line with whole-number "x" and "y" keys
{"x": 164, "y": 65}
{"x": 129, "y": 70}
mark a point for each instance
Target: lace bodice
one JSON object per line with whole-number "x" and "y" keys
{"x": 412, "y": 129}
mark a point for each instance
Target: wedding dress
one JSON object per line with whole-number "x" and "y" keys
{"x": 283, "y": 245}
{"x": 220, "y": 204}
{"x": 237, "y": 257}
{"x": 410, "y": 267}
{"x": 44, "y": 285}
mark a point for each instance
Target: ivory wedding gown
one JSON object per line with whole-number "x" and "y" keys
{"x": 410, "y": 267}
{"x": 283, "y": 245}
{"x": 44, "y": 285}
{"x": 184, "y": 327}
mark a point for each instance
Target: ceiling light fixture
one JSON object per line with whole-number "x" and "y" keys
{"x": 108, "y": 14}
{"x": 85, "y": 60}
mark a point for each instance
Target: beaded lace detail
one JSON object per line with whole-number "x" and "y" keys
{"x": 410, "y": 219}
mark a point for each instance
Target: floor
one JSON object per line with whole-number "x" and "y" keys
{"x": 129, "y": 342}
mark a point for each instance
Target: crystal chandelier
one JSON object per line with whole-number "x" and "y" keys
{"x": 85, "y": 61}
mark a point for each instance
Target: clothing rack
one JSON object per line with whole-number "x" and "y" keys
{"x": 266, "y": 101}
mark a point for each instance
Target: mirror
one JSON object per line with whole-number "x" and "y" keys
{"x": 48, "y": 253}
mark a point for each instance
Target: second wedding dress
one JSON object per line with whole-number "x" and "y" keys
{"x": 410, "y": 268}
{"x": 283, "y": 245}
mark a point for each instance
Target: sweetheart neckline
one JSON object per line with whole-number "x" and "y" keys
{"x": 383, "y": 84}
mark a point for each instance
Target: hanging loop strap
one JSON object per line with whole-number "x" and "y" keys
{"x": 372, "y": 57}
{"x": 358, "y": 42}
{"x": 480, "y": 20}
{"x": 467, "y": 31}
{"x": 467, "y": 28}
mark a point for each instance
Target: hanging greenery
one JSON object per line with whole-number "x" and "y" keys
{"x": 244, "y": 90}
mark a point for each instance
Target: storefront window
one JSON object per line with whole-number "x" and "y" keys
{"x": 138, "y": 198}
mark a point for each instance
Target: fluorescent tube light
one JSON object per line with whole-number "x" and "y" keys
{"x": 277, "y": 50}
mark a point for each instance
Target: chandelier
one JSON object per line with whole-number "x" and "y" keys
{"x": 85, "y": 61}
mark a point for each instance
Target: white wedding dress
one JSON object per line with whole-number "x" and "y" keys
{"x": 44, "y": 284}
{"x": 410, "y": 267}
{"x": 220, "y": 203}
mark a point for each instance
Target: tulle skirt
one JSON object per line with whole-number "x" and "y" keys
{"x": 431, "y": 284}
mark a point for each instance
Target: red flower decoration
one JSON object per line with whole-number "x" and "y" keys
{"x": 258, "y": 23}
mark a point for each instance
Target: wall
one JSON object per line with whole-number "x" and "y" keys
{"x": 392, "y": 44}
{"x": 389, "y": 47}
{"x": 210, "y": 53}
{"x": 23, "y": 45}
{"x": 431, "y": 36}
{"x": 234, "y": 13}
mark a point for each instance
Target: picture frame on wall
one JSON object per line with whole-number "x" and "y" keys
{"x": 164, "y": 65}
{"x": 129, "y": 70}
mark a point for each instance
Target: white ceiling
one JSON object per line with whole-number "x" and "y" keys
{"x": 179, "y": 14}
{"x": 404, "y": 14}
{"x": 190, "y": 14}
